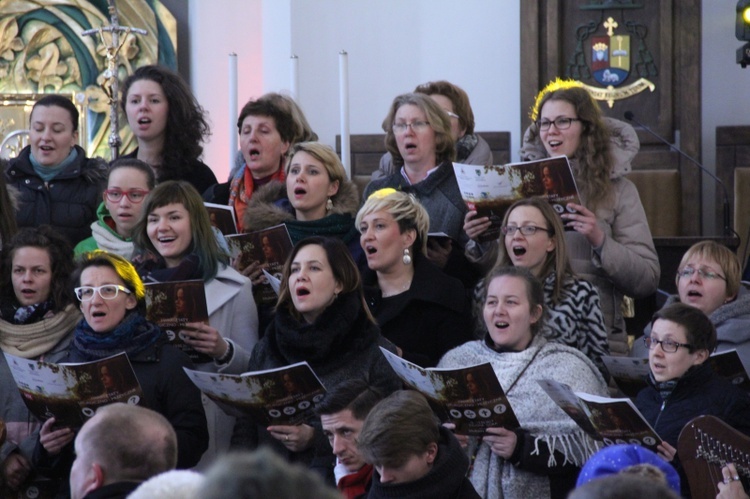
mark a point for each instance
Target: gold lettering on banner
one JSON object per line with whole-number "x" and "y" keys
{"x": 611, "y": 94}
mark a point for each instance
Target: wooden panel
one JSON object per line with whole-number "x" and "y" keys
{"x": 548, "y": 42}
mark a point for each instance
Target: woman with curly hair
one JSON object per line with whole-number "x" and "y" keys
{"x": 610, "y": 244}
{"x": 168, "y": 124}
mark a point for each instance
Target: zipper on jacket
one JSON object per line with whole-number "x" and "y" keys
{"x": 661, "y": 411}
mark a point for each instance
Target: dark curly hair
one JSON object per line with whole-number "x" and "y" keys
{"x": 61, "y": 261}
{"x": 187, "y": 126}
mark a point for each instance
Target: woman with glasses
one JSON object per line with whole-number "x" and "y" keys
{"x": 421, "y": 310}
{"x": 174, "y": 241}
{"x": 112, "y": 299}
{"x": 608, "y": 238}
{"x": 534, "y": 238}
{"x": 418, "y": 136}
{"x": 58, "y": 184}
{"x": 471, "y": 148}
{"x": 682, "y": 385}
{"x": 128, "y": 182}
{"x": 38, "y": 313}
{"x": 709, "y": 279}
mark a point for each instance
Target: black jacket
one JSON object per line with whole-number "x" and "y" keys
{"x": 196, "y": 172}
{"x": 700, "y": 391}
{"x": 430, "y": 318}
{"x": 445, "y": 480}
{"x": 68, "y": 203}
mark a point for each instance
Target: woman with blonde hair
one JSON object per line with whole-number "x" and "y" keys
{"x": 610, "y": 243}
{"x": 421, "y": 310}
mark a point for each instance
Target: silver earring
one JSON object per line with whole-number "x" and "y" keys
{"x": 329, "y": 205}
{"x": 407, "y": 258}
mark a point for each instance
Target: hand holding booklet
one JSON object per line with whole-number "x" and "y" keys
{"x": 491, "y": 190}
{"x": 283, "y": 396}
{"x": 469, "y": 397}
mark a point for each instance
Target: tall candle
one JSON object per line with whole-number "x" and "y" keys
{"x": 344, "y": 109}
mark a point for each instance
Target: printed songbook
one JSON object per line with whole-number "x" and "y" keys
{"x": 492, "y": 189}
{"x": 283, "y": 396}
{"x": 469, "y": 397}
{"x": 71, "y": 393}
{"x": 172, "y": 305}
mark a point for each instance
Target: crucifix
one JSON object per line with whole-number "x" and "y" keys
{"x": 111, "y": 84}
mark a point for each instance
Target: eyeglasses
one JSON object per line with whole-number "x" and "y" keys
{"x": 134, "y": 195}
{"x": 452, "y": 114}
{"x": 416, "y": 126}
{"x": 107, "y": 291}
{"x": 560, "y": 123}
{"x": 668, "y": 346}
{"x": 705, "y": 274}
{"x": 526, "y": 230}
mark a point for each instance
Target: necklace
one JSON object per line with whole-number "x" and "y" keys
{"x": 405, "y": 287}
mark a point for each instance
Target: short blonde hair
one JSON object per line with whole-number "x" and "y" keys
{"x": 723, "y": 256}
{"x": 322, "y": 153}
{"x": 405, "y": 210}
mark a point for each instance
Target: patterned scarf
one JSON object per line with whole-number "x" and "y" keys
{"x": 134, "y": 335}
{"x": 665, "y": 388}
{"x": 464, "y": 146}
{"x": 29, "y": 314}
{"x": 241, "y": 190}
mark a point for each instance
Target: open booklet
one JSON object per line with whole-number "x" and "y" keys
{"x": 270, "y": 248}
{"x": 283, "y": 396}
{"x": 71, "y": 393}
{"x": 173, "y": 304}
{"x": 491, "y": 190}
{"x": 612, "y": 421}
{"x": 630, "y": 373}
{"x": 469, "y": 397}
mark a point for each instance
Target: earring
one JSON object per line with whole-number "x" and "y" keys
{"x": 329, "y": 205}
{"x": 407, "y": 258}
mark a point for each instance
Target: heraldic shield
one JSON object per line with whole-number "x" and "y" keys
{"x": 610, "y": 59}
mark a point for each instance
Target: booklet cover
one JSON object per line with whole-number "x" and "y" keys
{"x": 222, "y": 217}
{"x": 491, "y": 190}
{"x": 270, "y": 248}
{"x": 282, "y": 396}
{"x": 173, "y": 304}
{"x": 630, "y": 373}
{"x": 612, "y": 421}
{"x": 72, "y": 392}
{"x": 470, "y": 397}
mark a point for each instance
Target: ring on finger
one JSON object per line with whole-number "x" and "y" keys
{"x": 736, "y": 478}
{"x": 286, "y": 438}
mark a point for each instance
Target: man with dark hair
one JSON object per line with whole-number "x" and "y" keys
{"x": 413, "y": 455}
{"x": 117, "y": 449}
{"x": 342, "y": 413}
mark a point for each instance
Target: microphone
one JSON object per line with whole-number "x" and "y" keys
{"x": 728, "y": 231}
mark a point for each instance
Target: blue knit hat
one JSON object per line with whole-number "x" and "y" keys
{"x": 615, "y": 458}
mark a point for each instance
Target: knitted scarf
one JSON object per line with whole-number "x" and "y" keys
{"x": 30, "y": 341}
{"x": 111, "y": 241}
{"x": 491, "y": 476}
{"x": 241, "y": 190}
{"x": 340, "y": 226}
{"x": 132, "y": 336}
{"x": 464, "y": 146}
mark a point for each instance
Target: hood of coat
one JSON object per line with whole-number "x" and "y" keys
{"x": 270, "y": 206}
{"x": 624, "y": 145}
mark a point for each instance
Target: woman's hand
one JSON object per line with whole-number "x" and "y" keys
{"x": 16, "y": 469}
{"x": 438, "y": 252}
{"x": 475, "y": 227}
{"x": 254, "y": 271}
{"x": 295, "y": 438}
{"x": 731, "y": 487}
{"x": 666, "y": 451}
{"x": 204, "y": 339}
{"x": 585, "y": 222}
{"x": 52, "y": 440}
{"x": 502, "y": 442}
{"x": 463, "y": 440}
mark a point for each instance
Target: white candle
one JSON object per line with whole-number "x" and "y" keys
{"x": 344, "y": 108}
{"x": 232, "y": 109}
{"x": 294, "y": 77}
